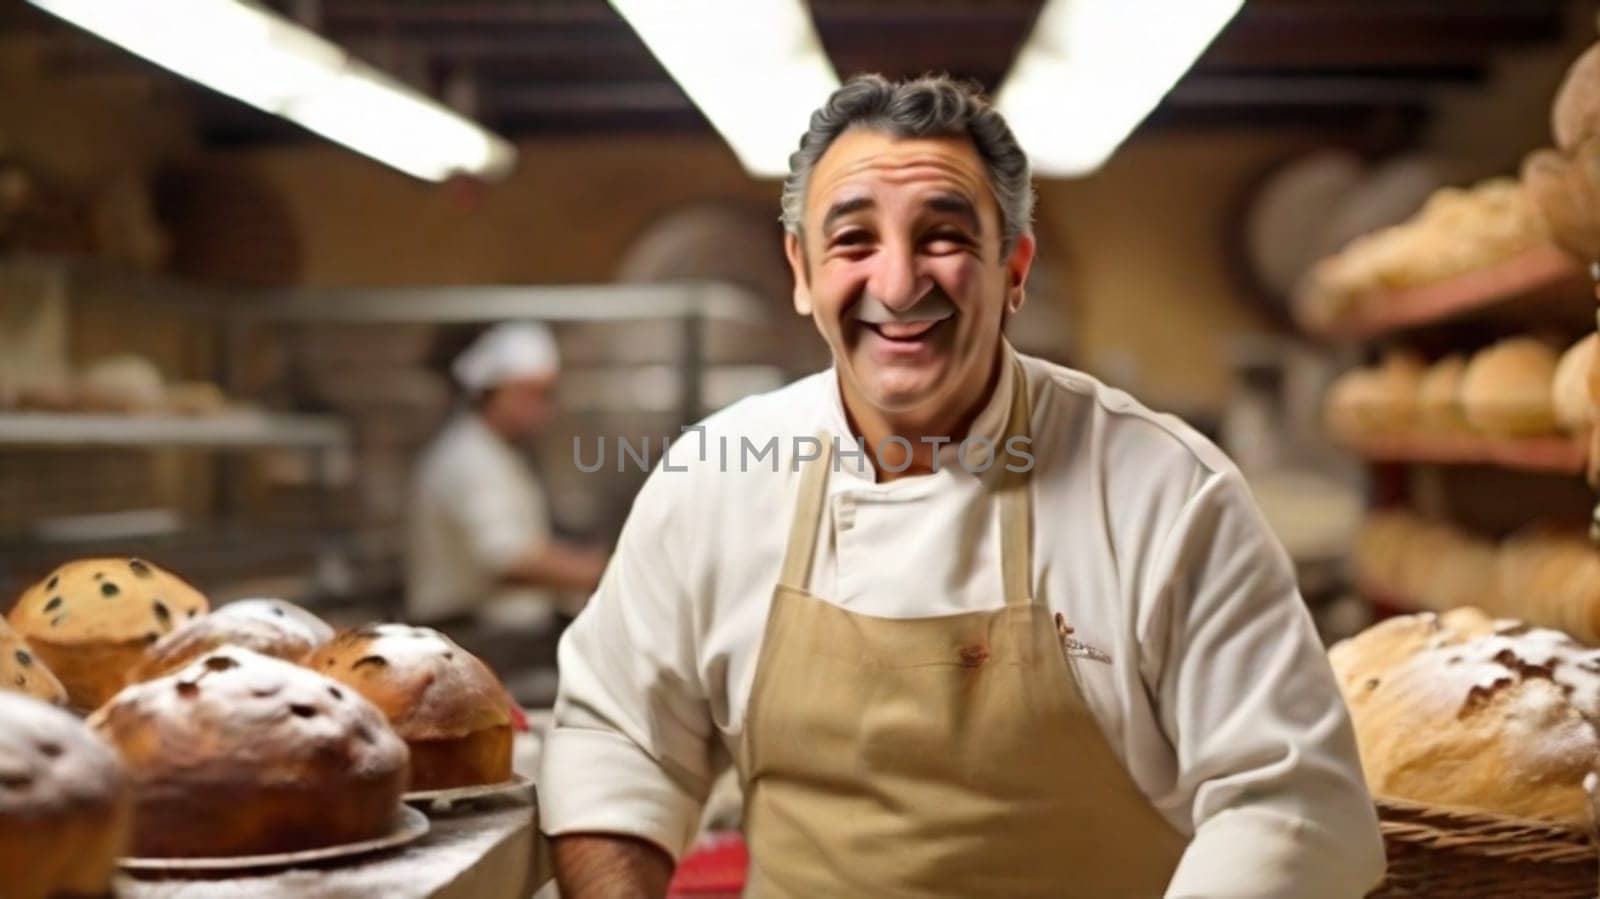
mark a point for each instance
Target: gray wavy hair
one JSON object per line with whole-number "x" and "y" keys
{"x": 930, "y": 106}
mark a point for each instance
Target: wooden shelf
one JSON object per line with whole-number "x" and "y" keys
{"x": 1542, "y": 273}
{"x": 1554, "y": 455}
{"x": 234, "y": 429}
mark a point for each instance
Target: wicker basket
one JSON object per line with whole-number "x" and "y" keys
{"x": 1450, "y": 854}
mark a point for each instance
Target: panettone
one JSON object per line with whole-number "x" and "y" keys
{"x": 442, "y": 700}
{"x": 281, "y": 639}
{"x": 1506, "y": 391}
{"x": 244, "y": 754}
{"x": 1570, "y": 393}
{"x": 64, "y": 804}
{"x": 1500, "y": 722}
{"x": 92, "y": 620}
{"x": 1575, "y": 113}
{"x": 280, "y": 612}
{"x": 1439, "y": 395}
{"x": 23, "y": 671}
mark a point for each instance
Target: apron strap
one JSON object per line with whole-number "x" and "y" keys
{"x": 797, "y": 558}
{"x": 1016, "y": 525}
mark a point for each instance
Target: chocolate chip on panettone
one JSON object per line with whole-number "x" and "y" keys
{"x": 23, "y": 658}
{"x": 139, "y": 567}
{"x": 162, "y": 612}
{"x": 220, "y": 663}
{"x": 369, "y": 660}
{"x": 109, "y": 589}
{"x": 53, "y": 604}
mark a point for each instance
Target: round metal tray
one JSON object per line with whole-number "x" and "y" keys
{"x": 409, "y": 826}
{"x": 444, "y": 800}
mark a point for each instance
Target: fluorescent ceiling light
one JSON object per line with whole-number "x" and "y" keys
{"x": 1093, "y": 69}
{"x": 754, "y": 67}
{"x": 248, "y": 53}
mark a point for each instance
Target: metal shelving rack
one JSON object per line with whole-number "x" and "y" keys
{"x": 685, "y": 307}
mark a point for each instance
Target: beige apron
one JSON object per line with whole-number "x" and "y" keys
{"x": 951, "y": 756}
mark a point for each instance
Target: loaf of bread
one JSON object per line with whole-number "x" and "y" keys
{"x": 126, "y": 384}
{"x": 1378, "y": 400}
{"x": 1566, "y": 192}
{"x": 92, "y": 620}
{"x": 1575, "y": 113}
{"x": 64, "y": 804}
{"x": 280, "y": 638}
{"x": 243, "y": 754}
{"x": 1574, "y": 406}
{"x": 1506, "y": 391}
{"x": 1554, "y": 578}
{"x": 1439, "y": 396}
{"x": 442, "y": 700}
{"x": 23, "y": 671}
{"x": 1462, "y": 713}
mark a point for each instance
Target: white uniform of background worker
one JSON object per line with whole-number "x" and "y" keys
{"x": 1090, "y": 676}
{"x": 480, "y": 537}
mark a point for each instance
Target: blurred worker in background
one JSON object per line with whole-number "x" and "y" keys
{"x": 483, "y": 563}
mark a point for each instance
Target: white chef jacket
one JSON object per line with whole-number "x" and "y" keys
{"x": 475, "y": 507}
{"x": 1216, "y": 693}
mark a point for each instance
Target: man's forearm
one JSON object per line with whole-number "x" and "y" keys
{"x": 558, "y": 566}
{"x": 608, "y": 866}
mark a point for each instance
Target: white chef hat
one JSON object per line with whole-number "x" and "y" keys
{"x": 507, "y": 351}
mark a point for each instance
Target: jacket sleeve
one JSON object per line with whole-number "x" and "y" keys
{"x": 630, "y": 752}
{"x": 1264, "y": 744}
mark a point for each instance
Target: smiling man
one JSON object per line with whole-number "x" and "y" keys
{"x": 981, "y": 627}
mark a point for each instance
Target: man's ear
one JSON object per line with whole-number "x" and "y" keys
{"x": 1017, "y": 266}
{"x": 796, "y": 253}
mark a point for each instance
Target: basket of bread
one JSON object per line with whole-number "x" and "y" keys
{"x": 1479, "y": 741}
{"x": 220, "y": 741}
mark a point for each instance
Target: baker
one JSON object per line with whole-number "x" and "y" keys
{"x": 1082, "y": 669}
{"x": 482, "y": 560}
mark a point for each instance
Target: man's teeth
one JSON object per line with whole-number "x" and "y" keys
{"x": 904, "y": 330}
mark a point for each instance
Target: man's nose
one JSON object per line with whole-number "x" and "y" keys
{"x": 895, "y": 281}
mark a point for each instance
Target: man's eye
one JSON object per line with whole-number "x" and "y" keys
{"x": 946, "y": 239}
{"x": 851, "y": 239}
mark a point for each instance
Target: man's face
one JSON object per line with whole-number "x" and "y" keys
{"x": 522, "y": 406}
{"x": 902, "y": 270}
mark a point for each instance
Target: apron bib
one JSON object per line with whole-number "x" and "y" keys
{"x": 951, "y": 756}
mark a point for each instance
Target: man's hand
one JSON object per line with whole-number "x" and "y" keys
{"x": 608, "y": 866}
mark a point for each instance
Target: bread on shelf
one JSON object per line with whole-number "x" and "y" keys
{"x": 92, "y": 620}
{"x": 1565, "y": 190}
{"x": 242, "y": 754}
{"x": 1575, "y": 112}
{"x": 1506, "y": 391}
{"x": 1574, "y": 404}
{"x": 444, "y": 702}
{"x": 1378, "y": 400}
{"x": 1459, "y": 712}
{"x": 65, "y": 810}
{"x": 1439, "y": 396}
{"x": 126, "y": 384}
